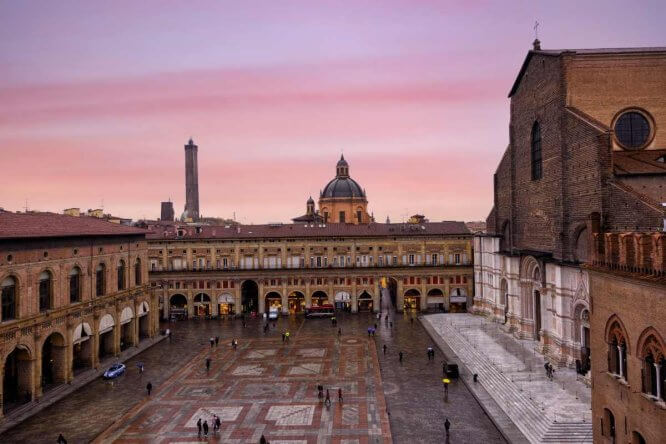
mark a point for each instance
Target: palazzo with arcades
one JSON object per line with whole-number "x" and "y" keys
{"x": 335, "y": 255}
{"x": 74, "y": 296}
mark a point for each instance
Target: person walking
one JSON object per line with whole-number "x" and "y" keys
{"x": 205, "y": 428}
{"x": 61, "y": 439}
{"x": 339, "y": 332}
{"x": 400, "y": 357}
{"x": 385, "y": 347}
{"x": 217, "y": 340}
{"x": 391, "y": 324}
{"x": 199, "y": 427}
{"x": 286, "y": 335}
{"x": 149, "y": 388}
{"x": 339, "y": 394}
{"x": 207, "y": 364}
{"x": 411, "y": 320}
{"x": 447, "y": 426}
{"x": 327, "y": 401}
{"x": 262, "y": 440}
{"x": 218, "y": 423}
{"x": 320, "y": 391}
{"x": 212, "y": 342}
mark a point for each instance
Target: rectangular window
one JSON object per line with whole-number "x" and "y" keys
{"x": 411, "y": 259}
{"x": 325, "y": 216}
{"x": 74, "y": 288}
{"x": 342, "y": 217}
{"x": 434, "y": 259}
{"x": 457, "y": 258}
{"x": 395, "y": 260}
{"x": 358, "y": 216}
{"x": 381, "y": 261}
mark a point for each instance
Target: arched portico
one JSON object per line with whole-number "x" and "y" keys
{"x": 127, "y": 328}
{"x": 412, "y": 300}
{"x": 319, "y": 298}
{"x": 143, "y": 315}
{"x": 250, "y": 296}
{"x": 365, "y": 302}
{"x": 178, "y": 306}
{"x": 202, "y": 305}
{"x": 225, "y": 304}
{"x": 458, "y": 300}
{"x": 82, "y": 347}
{"x": 436, "y": 300}
{"x": 106, "y": 337}
{"x": 296, "y": 301}
{"x": 53, "y": 362}
{"x": 17, "y": 378}
{"x": 273, "y": 301}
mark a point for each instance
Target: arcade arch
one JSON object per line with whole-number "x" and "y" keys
{"x": 296, "y": 301}
{"x": 250, "y": 296}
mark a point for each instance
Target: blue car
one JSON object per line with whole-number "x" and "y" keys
{"x": 114, "y": 371}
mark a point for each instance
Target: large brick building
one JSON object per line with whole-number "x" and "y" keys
{"x": 628, "y": 326}
{"x": 74, "y": 292}
{"x": 586, "y": 155}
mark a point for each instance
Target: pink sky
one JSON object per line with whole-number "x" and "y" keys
{"x": 99, "y": 99}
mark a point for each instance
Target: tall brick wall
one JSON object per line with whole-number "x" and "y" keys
{"x": 603, "y": 85}
{"x": 537, "y": 204}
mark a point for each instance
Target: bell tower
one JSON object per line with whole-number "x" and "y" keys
{"x": 191, "y": 182}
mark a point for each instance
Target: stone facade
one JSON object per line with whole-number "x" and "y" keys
{"x": 425, "y": 264}
{"x": 53, "y": 306}
{"x": 564, "y": 177}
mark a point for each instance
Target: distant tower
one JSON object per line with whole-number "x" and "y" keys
{"x": 167, "y": 212}
{"x": 191, "y": 183}
{"x": 310, "y": 207}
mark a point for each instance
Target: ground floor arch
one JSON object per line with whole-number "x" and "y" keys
{"x": 458, "y": 300}
{"x": 106, "y": 341}
{"x": 126, "y": 328}
{"x": 250, "y": 296}
{"x": 143, "y": 314}
{"x": 435, "y": 300}
{"x": 225, "y": 304}
{"x": 82, "y": 347}
{"x": 54, "y": 361}
{"x": 319, "y": 298}
{"x": 17, "y": 378}
{"x": 412, "y": 300}
{"x": 273, "y": 301}
{"x": 391, "y": 284}
{"x": 178, "y": 306}
{"x": 343, "y": 301}
{"x": 365, "y": 302}
{"x": 296, "y": 301}
{"x": 202, "y": 305}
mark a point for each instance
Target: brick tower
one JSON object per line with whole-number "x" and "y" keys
{"x": 191, "y": 183}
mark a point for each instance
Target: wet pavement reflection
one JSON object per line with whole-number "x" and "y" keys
{"x": 413, "y": 389}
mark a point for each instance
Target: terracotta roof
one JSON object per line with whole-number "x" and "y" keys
{"x": 310, "y": 230}
{"x": 34, "y": 225}
{"x": 592, "y": 51}
{"x": 639, "y": 162}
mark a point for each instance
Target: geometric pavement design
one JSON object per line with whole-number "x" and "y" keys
{"x": 267, "y": 387}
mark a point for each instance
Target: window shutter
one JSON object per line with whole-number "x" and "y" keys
{"x": 450, "y": 258}
{"x": 428, "y": 259}
{"x": 404, "y": 259}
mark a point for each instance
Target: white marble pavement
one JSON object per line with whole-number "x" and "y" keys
{"x": 512, "y": 372}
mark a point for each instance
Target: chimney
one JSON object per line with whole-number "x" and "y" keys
{"x": 537, "y": 45}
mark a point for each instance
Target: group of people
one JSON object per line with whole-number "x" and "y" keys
{"x": 214, "y": 341}
{"x": 203, "y": 427}
{"x": 327, "y": 399}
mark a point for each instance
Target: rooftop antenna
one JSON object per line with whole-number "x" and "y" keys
{"x": 26, "y": 206}
{"x": 536, "y": 30}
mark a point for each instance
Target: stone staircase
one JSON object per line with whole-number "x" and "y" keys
{"x": 531, "y": 418}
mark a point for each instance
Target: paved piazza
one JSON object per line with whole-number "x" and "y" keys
{"x": 274, "y": 388}
{"x": 268, "y": 387}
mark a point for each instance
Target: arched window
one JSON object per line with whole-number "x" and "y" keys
{"x": 44, "y": 291}
{"x": 121, "y": 275}
{"x": 75, "y": 285}
{"x": 608, "y": 424}
{"x": 617, "y": 351}
{"x": 137, "y": 272}
{"x": 100, "y": 280}
{"x": 8, "y": 286}
{"x": 537, "y": 170}
{"x": 581, "y": 246}
{"x": 653, "y": 373}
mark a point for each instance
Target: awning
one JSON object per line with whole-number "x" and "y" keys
{"x": 342, "y": 296}
{"x": 106, "y": 324}
{"x": 82, "y": 332}
{"x": 144, "y": 308}
{"x": 458, "y": 299}
{"x": 435, "y": 299}
{"x": 126, "y": 315}
{"x": 225, "y": 299}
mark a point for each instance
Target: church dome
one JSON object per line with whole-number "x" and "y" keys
{"x": 342, "y": 185}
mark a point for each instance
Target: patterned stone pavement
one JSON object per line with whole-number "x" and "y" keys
{"x": 267, "y": 387}
{"x": 413, "y": 392}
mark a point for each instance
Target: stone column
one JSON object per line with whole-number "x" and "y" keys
{"x": 354, "y": 296}
{"x": 658, "y": 367}
{"x": 308, "y": 296}
{"x": 238, "y": 306}
{"x": 262, "y": 299}
{"x": 424, "y": 295}
{"x": 400, "y": 296}
{"x": 117, "y": 333}
{"x": 94, "y": 351}
{"x": 37, "y": 381}
{"x": 285, "y": 296}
